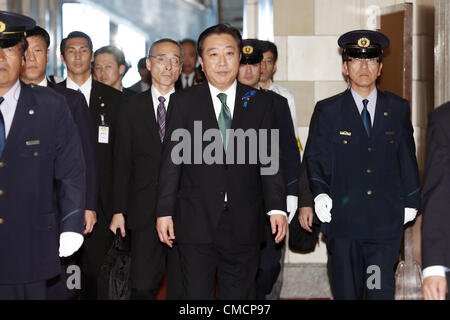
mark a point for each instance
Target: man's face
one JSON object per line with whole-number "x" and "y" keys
{"x": 78, "y": 56}
{"x": 11, "y": 61}
{"x": 268, "y": 66}
{"x": 363, "y": 73}
{"x": 220, "y": 61}
{"x": 107, "y": 71}
{"x": 190, "y": 57}
{"x": 249, "y": 74}
{"x": 33, "y": 70}
{"x": 165, "y": 65}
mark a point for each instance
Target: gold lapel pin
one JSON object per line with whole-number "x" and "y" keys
{"x": 31, "y": 112}
{"x": 386, "y": 114}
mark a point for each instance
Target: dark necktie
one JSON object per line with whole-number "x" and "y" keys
{"x": 161, "y": 118}
{"x": 366, "y": 117}
{"x": 2, "y": 130}
{"x": 186, "y": 81}
{"x": 224, "y": 118}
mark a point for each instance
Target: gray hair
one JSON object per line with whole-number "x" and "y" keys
{"x": 154, "y": 44}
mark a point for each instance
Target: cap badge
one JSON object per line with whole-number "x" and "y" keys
{"x": 247, "y": 49}
{"x": 363, "y": 42}
{"x": 2, "y": 26}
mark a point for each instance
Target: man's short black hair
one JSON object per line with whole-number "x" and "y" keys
{"x": 118, "y": 55}
{"x": 142, "y": 64}
{"x": 41, "y": 32}
{"x": 75, "y": 34}
{"x": 191, "y": 41}
{"x": 270, "y": 46}
{"x": 219, "y": 29}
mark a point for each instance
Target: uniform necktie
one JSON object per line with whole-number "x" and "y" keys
{"x": 161, "y": 118}
{"x": 224, "y": 118}
{"x": 366, "y": 117}
{"x": 2, "y": 130}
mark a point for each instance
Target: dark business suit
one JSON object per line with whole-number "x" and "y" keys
{"x": 57, "y": 288}
{"x": 104, "y": 102}
{"x": 370, "y": 180}
{"x": 271, "y": 253}
{"x": 137, "y": 155}
{"x": 42, "y": 162}
{"x": 436, "y": 200}
{"x": 193, "y": 194}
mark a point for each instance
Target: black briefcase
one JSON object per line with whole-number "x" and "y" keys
{"x": 114, "y": 278}
{"x": 301, "y": 239}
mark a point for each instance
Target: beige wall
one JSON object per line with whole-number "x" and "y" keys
{"x": 309, "y": 64}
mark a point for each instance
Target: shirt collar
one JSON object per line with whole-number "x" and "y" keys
{"x": 13, "y": 93}
{"x": 156, "y": 94}
{"x": 43, "y": 83}
{"x": 230, "y": 92}
{"x": 372, "y": 96}
{"x": 72, "y": 85}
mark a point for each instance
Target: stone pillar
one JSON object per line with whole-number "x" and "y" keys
{"x": 442, "y": 52}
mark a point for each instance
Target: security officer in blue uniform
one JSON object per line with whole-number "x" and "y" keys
{"x": 41, "y": 160}
{"x": 272, "y": 253}
{"x": 363, "y": 173}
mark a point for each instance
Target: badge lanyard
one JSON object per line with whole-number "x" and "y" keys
{"x": 103, "y": 131}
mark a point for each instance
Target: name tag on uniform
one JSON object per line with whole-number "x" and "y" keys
{"x": 32, "y": 142}
{"x": 103, "y": 134}
{"x": 345, "y": 133}
{"x": 389, "y": 133}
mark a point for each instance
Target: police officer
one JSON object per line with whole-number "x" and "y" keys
{"x": 272, "y": 254}
{"x": 41, "y": 160}
{"x": 363, "y": 173}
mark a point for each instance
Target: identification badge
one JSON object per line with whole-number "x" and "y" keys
{"x": 103, "y": 131}
{"x": 103, "y": 134}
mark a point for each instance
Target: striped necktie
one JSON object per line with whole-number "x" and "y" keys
{"x": 161, "y": 118}
{"x": 224, "y": 118}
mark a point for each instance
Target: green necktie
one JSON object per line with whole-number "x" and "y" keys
{"x": 224, "y": 118}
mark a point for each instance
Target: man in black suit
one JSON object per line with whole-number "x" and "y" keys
{"x": 138, "y": 148}
{"x": 215, "y": 207}
{"x": 187, "y": 77}
{"x": 42, "y": 174}
{"x": 33, "y": 72}
{"x": 363, "y": 173}
{"x": 271, "y": 260}
{"x": 436, "y": 217}
{"x": 103, "y": 102}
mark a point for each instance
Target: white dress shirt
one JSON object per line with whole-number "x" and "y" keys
{"x": 43, "y": 83}
{"x": 231, "y": 98}
{"x": 85, "y": 88}
{"x": 9, "y": 105}
{"x": 370, "y": 105}
{"x": 155, "y": 95}
{"x": 190, "y": 79}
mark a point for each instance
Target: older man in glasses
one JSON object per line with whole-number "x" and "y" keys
{"x": 141, "y": 131}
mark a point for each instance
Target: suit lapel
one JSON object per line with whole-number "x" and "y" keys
{"x": 351, "y": 115}
{"x": 238, "y": 109}
{"x": 20, "y": 123}
{"x": 148, "y": 113}
{"x": 209, "y": 115}
{"x": 381, "y": 112}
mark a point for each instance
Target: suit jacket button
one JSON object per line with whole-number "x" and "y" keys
{"x": 1, "y": 192}
{"x": 2, "y": 164}
{"x": 391, "y": 142}
{"x": 369, "y": 171}
{"x": 36, "y": 154}
{"x": 1, "y": 220}
{"x": 345, "y": 141}
{"x": 369, "y": 149}
{"x": 369, "y": 192}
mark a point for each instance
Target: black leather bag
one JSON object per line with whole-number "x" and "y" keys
{"x": 114, "y": 279}
{"x": 301, "y": 239}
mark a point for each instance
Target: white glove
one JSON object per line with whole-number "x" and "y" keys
{"x": 291, "y": 205}
{"x": 322, "y": 206}
{"x": 410, "y": 214}
{"x": 69, "y": 243}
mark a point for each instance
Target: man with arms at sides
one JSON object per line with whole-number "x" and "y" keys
{"x": 41, "y": 160}
{"x": 110, "y": 67}
{"x": 145, "y": 83}
{"x": 363, "y": 173}
{"x": 137, "y": 154}
{"x": 103, "y": 101}
{"x": 215, "y": 209}
{"x": 271, "y": 260}
{"x": 187, "y": 77}
{"x": 436, "y": 215}
{"x": 33, "y": 72}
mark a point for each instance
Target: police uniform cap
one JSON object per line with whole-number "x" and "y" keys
{"x": 13, "y": 27}
{"x": 363, "y": 43}
{"x": 251, "y": 52}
